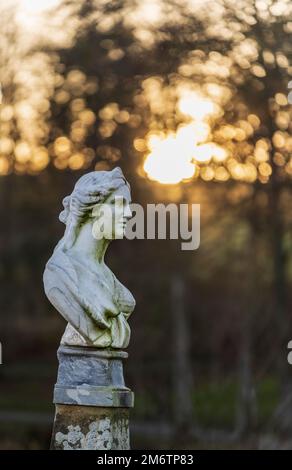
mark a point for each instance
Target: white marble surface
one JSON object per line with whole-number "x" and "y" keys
{"x": 77, "y": 281}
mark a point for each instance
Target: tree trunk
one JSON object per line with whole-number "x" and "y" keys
{"x": 182, "y": 370}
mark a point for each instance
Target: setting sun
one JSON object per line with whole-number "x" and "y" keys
{"x": 170, "y": 160}
{"x": 173, "y": 155}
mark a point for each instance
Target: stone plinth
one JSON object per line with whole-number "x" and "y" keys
{"x": 92, "y": 401}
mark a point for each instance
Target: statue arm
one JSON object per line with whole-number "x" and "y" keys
{"x": 72, "y": 311}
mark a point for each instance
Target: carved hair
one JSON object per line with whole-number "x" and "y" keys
{"x": 91, "y": 189}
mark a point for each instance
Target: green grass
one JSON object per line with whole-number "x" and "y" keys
{"x": 215, "y": 402}
{"x": 29, "y": 387}
{"x": 268, "y": 393}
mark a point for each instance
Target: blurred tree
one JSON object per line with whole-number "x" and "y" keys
{"x": 191, "y": 102}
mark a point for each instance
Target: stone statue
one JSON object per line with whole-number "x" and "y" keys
{"x": 76, "y": 279}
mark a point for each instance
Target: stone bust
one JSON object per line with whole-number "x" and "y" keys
{"x": 76, "y": 279}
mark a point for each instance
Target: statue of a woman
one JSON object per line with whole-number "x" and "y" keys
{"x": 77, "y": 281}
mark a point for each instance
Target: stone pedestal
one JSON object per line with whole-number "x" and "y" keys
{"x": 92, "y": 401}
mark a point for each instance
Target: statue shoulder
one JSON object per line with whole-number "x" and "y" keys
{"x": 59, "y": 269}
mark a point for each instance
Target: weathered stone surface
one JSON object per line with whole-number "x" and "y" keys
{"x": 76, "y": 279}
{"x": 90, "y": 428}
{"x": 91, "y": 377}
{"x": 92, "y": 401}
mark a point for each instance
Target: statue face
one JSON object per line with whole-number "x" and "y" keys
{"x": 110, "y": 218}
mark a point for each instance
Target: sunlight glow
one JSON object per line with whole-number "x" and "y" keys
{"x": 173, "y": 155}
{"x": 193, "y": 105}
{"x": 170, "y": 160}
{"x": 34, "y": 6}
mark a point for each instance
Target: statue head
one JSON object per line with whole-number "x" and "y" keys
{"x": 101, "y": 198}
